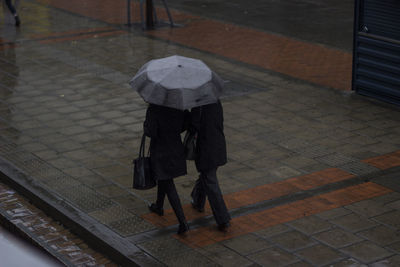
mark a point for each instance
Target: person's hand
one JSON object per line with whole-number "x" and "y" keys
{"x": 146, "y": 129}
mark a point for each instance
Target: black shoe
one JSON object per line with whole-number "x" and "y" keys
{"x": 154, "y": 208}
{"x": 17, "y": 21}
{"x": 196, "y": 207}
{"x": 183, "y": 228}
{"x": 223, "y": 227}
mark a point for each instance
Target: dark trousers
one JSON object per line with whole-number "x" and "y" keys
{"x": 207, "y": 185}
{"x": 167, "y": 187}
{"x": 11, "y": 7}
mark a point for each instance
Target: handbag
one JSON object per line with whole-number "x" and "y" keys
{"x": 143, "y": 176}
{"x": 189, "y": 143}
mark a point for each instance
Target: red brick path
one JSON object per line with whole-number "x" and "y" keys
{"x": 204, "y": 236}
{"x": 307, "y": 61}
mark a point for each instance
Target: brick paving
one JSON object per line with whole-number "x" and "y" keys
{"x": 311, "y": 173}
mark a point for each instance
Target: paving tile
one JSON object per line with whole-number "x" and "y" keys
{"x": 164, "y": 248}
{"x": 368, "y": 208}
{"x": 62, "y": 163}
{"x": 113, "y": 171}
{"x": 111, "y": 214}
{"x": 390, "y": 218}
{"x": 354, "y": 222}
{"x": 111, "y": 190}
{"x": 382, "y": 235}
{"x": 300, "y": 264}
{"x": 292, "y": 240}
{"x": 61, "y": 183}
{"x": 337, "y": 238}
{"x": 79, "y": 154}
{"x": 130, "y": 226}
{"x": 93, "y": 180}
{"x": 299, "y": 162}
{"x": 320, "y": 255}
{"x": 273, "y": 257}
{"x": 348, "y": 262}
{"x": 91, "y": 122}
{"x": 384, "y": 162}
{"x": 395, "y": 247}
{"x": 85, "y": 198}
{"x": 389, "y": 181}
{"x": 394, "y": 205}
{"x": 285, "y": 172}
{"x": 334, "y": 213}
{"x": 359, "y": 168}
{"x": 224, "y": 256}
{"x": 78, "y": 171}
{"x": 273, "y": 230}
{"x": 335, "y": 160}
{"x": 246, "y": 244}
{"x": 388, "y": 198}
{"x": 189, "y": 258}
{"x": 389, "y": 262}
{"x": 366, "y": 252}
{"x": 310, "y": 225}
{"x": 107, "y": 128}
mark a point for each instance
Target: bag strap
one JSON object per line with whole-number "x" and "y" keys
{"x": 142, "y": 145}
{"x": 201, "y": 108}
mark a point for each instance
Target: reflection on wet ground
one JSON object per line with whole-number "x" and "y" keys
{"x": 17, "y": 252}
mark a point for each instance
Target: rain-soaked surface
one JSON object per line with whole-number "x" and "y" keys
{"x": 16, "y": 252}
{"x": 71, "y": 123}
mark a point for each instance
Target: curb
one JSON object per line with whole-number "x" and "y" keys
{"x": 94, "y": 233}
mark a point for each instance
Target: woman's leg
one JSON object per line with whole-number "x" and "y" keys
{"x": 198, "y": 196}
{"x": 215, "y": 198}
{"x": 160, "y": 195}
{"x": 158, "y": 207}
{"x": 173, "y": 198}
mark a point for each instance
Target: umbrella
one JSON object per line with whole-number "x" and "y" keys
{"x": 177, "y": 82}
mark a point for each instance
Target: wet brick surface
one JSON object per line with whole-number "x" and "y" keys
{"x": 70, "y": 122}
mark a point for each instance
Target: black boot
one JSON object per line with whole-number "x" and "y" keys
{"x": 183, "y": 228}
{"x": 157, "y": 210}
{"x": 17, "y": 21}
{"x": 223, "y": 227}
{"x": 197, "y": 207}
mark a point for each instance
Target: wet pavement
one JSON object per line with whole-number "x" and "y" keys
{"x": 311, "y": 177}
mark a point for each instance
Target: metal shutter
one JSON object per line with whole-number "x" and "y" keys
{"x": 376, "y": 66}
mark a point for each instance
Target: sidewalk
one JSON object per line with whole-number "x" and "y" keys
{"x": 313, "y": 168}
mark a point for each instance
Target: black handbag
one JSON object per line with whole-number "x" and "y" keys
{"x": 143, "y": 177}
{"x": 189, "y": 143}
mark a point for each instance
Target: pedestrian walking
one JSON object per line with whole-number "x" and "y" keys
{"x": 164, "y": 126}
{"x": 13, "y": 12}
{"x": 172, "y": 85}
{"x": 207, "y": 121}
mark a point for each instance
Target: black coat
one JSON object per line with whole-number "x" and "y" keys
{"x": 164, "y": 126}
{"x": 208, "y": 121}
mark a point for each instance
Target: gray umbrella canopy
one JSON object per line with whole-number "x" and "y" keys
{"x": 177, "y": 82}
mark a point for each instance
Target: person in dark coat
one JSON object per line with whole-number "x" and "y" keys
{"x": 207, "y": 121}
{"x": 164, "y": 126}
